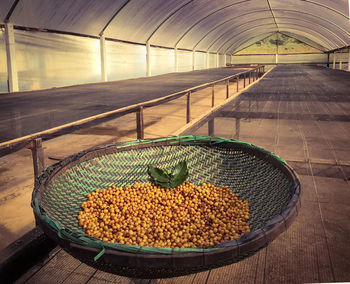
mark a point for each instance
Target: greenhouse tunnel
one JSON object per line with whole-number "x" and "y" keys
{"x": 80, "y": 74}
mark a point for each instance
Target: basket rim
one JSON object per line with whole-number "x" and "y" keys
{"x": 250, "y": 241}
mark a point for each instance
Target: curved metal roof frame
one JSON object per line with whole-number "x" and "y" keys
{"x": 327, "y": 15}
{"x": 242, "y": 43}
{"x": 237, "y": 33}
{"x": 297, "y": 31}
{"x": 259, "y": 11}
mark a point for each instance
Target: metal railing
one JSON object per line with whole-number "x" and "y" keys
{"x": 34, "y": 141}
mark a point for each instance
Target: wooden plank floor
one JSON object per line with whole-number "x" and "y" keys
{"x": 316, "y": 246}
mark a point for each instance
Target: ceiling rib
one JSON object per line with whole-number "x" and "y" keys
{"x": 205, "y": 17}
{"x": 112, "y": 18}
{"x": 166, "y": 19}
{"x": 9, "y": 14}
{"x": 241, "y": 43}
{"x": 327, "y": 7}
{"x": 265, "y": 10}
{"x": 276, "y": 30}
{"x": 218, "y": 38}
{"x": 273, "y": 16}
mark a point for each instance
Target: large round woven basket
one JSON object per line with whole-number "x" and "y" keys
{"x": 265, "y": 180}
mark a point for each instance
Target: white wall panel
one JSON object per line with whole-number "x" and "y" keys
{"x": 125, "y": 61}
{"x": 162, "y": 61}
{"x": 212, "y": 60}
{"x": 200, "y": 61}
{"x": 47, "y": 60}
{"x": 184, "y": 60}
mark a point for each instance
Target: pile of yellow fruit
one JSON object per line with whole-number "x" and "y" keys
{"x": 148, "y": 215}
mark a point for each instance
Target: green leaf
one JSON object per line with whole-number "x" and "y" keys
{"x": 179, "y": 175}
{"x": 159, "y": 176}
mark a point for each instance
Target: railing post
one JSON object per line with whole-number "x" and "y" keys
{"x": 211, "y": 127}
{"x": 227, "y": 89}
{"x": 212, "y": 96}
{"x": 237, "y": 79}
{"x": 139, "y": 123}
{"x": 188, "y": 108}
{"x": 38, "y": 157}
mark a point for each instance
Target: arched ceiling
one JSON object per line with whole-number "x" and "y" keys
{"x": 223, "y": 26}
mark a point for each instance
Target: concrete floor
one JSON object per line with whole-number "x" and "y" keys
{"x": 303, "y": 115}
{"x": 25, "y": 113}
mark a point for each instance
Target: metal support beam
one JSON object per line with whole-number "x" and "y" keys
{"x": 188, "y": 107}
{"x": 328, "y": 60}
{"x": 103, "y": 59}
{"x": 194, "y": 60}
{"x": 334, "y": 57}
{"x": 227, "y": 89}
{"x": 11, "y": 58}
{"x": 340, "y": 61}
{"x": 176, "y": 64}
{"x": 225, "y": 59}
{"x": 212, "y": 96}
{"x": 38, "y": 157}
{"x": 217, "y": 60}
{"x": 139, "y": 123}
{"x": 211, "y": 127}
{"x": 349, "y": 59}
{"x": 237, "y": 80}
{"x": 148, "y": 59}
{"x": 207, "y": 58}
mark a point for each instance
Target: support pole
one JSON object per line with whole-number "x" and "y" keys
{"x": 188, "y": 107}
{"x": 139, "y": 123}
{"x": 340, "y": 61}
{"x": 212, "y": 96}
{"x": 227, "y": 89}
{"x": 328, "y": 60}
{"x": 244, "y": 75}
{"x": 11, "y": 58}
{"x": 225, "y": 60}
{"x": 334, "y": 60}
{"x": 211, "y": 127}
{"x": 237, "y": 79}
{"x": 176, "y": 62}
{"x": 148, "y": 59}
{"x": 38, "y": 157}
{"x": 217, "y": 60}
{"x": 193, "y": 60}
{"x": 207, "y": 58}
{"x": 250, "y": 75}
{"x": 103, "y": 59}
{"x": 349, "y": 59}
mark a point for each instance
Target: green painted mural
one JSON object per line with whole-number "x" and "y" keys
{"x": 279, "y": 43}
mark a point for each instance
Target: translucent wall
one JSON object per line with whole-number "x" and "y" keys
{"x": 212, "y": 60}
{"x": 162, "y": 61}
{"x": 184, "y": 59}
{"x": 125, "y": 61}
{"x": 228, "y": 58}
{"x": 3, "y": 64}
{"x": 47, "y": 60}
{"x": 339, "y": 57}
{"x": 201, "y": 58}
{"x": 221, "y": 60}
